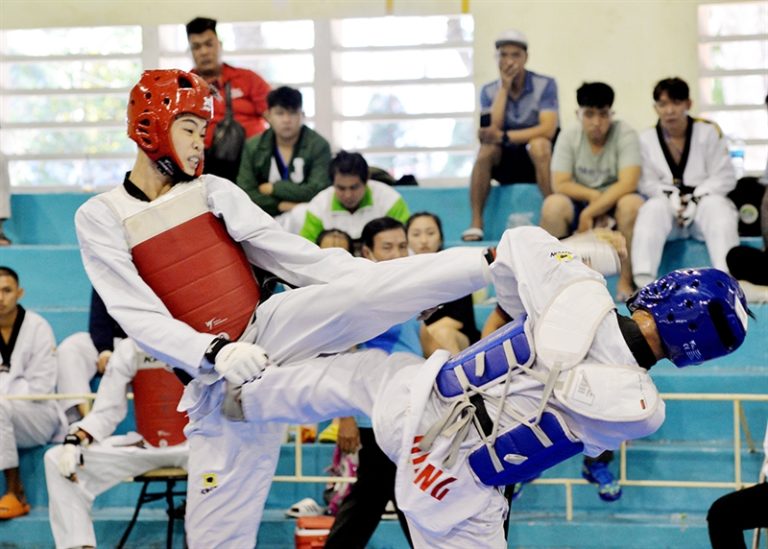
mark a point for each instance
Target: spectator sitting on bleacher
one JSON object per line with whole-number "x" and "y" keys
{"x": 744, "y": 509}
{"x": 595, "y": 169}
{"x": 352, "y": 201}
{"x": 77, "y": 471}
{"x": 5, "y": 198}
{"x": 750, "y": 265}
{"x": 86, "y": 354}
{"x": 288, "y": 164}
{"x": 516, "y": 143}
{"x": 28, "y": 367}
{"x": 452, "y": 324}
{"x": 335, "y": 238}
{"x": 687, "y": 175}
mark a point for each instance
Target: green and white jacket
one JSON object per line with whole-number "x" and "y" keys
{"x": 325, "y": 211}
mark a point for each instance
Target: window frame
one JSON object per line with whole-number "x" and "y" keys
{"x": 325, "y": 84}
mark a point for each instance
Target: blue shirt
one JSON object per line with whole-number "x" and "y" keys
{"x": 400, "y": 338}
{"x": 539, "y": 94}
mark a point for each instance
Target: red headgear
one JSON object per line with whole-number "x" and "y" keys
{"x": 155, "y": 102}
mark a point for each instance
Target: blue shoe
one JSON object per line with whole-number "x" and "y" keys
{"x": 597, "y": 472}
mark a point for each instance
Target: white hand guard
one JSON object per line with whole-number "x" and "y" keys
{"x": 71, "y": 456}
{"x": 688, "y": 211}
{"x": 240, "y": 362}
{"x": 673, "y": 195}
{"x": 595, "y": 253}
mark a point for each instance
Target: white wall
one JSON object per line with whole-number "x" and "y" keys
{"x": 629, "y": 44}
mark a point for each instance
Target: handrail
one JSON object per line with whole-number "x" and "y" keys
{"x": 568, "y": 483}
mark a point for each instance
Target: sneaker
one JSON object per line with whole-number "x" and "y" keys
{"x": 597, "y": 472}
{"x": 307, "y": 507}
{"x": 389, "y": 512}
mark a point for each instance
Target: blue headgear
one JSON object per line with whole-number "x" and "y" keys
{"x": 700, "y": 313}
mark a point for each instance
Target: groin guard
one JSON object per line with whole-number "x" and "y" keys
{"x": 184, "y": 253}
{"x": 156, "y": 392}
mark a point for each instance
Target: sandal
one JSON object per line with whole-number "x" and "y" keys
{"x": 473, "y": 234}
{"x": 11, "y": 507}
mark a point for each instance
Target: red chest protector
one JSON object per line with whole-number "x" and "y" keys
{"x": 184, "y": 253}
{"x": 156, "y": 392}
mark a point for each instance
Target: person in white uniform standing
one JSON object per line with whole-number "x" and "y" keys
{"x": 91, "y": 461}
{"x": 170, "y": 252}
{"x": 84, "y": 355}
{"x": 569, "y": 375}
{"x": 28, "y": 367}
{"x": 687, "y": 175}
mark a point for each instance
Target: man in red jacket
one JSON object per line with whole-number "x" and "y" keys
{"x": 249, "y": 90}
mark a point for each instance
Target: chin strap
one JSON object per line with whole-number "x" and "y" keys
{"x": 168, "y": 167}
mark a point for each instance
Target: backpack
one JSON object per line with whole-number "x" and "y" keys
{"x": 223, "y": 157}
{"x": 748, "y": 196}
{"x": 342, "y": 465}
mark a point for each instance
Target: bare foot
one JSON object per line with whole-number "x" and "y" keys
{"x": 624, "y": 290}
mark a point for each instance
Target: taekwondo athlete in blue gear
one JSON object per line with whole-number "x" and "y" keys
{"x": 570, "y": 372}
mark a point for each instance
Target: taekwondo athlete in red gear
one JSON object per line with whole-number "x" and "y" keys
{"x": 569, "y": 375}
{"x": 170, "y": 252}
{"x": 90, "y": 461}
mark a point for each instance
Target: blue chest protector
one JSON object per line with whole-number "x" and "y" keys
{"x": 525, "y": 448}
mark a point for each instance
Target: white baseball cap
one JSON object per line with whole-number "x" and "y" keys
{"x": 512, "y": 36}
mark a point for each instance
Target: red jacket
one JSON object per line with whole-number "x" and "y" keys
{"x": 249, "y": 100}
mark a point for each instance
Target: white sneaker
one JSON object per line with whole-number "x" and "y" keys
{"x": 307, "y": 507}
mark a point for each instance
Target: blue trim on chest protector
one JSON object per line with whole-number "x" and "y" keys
{"x": 495, "y": 360}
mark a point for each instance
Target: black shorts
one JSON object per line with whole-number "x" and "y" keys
{"x": 515, "y": 166}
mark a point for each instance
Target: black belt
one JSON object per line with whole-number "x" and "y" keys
{"x": 481, "y": 413}
{"x": 183, "y": 376}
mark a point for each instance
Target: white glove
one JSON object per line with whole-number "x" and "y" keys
{"x": 70, "y": 457}
{"x": 673, "y": 195}
{"x": 596, "y": 252}
{"x": 240, "y": 362}
{"x": 687, "y": 210}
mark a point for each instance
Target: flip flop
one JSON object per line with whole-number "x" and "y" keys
{"x": 473, "y": 234}
{"x": 11, "y": 507}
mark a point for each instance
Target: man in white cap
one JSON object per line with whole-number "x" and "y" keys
{"x": 519, "y": 122}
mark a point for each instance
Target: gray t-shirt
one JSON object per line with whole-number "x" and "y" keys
{"x": 573, "y": 154}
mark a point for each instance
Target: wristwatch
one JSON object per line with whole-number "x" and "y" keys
{"x": 504, "y": 139}
{"x": 72, "y": 438}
